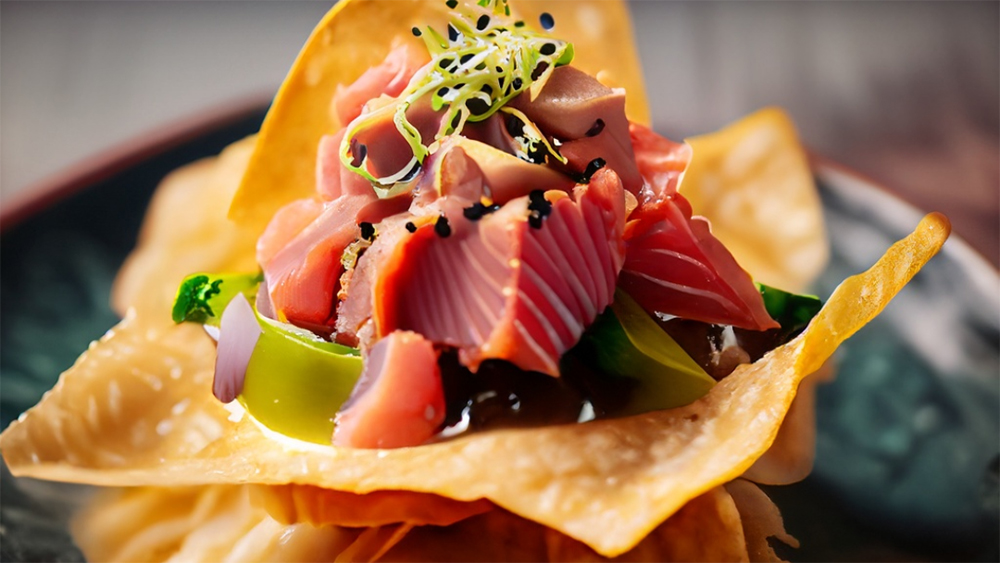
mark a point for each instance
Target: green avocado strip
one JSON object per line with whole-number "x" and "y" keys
{"x": 296, "y": 382}
{"x": 792, "y": 311}
{"x": 629, "y": 344}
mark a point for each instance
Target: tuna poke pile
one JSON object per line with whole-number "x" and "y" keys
{"x": 491, "y": 243}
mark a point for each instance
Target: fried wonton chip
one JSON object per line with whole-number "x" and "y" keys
{"x": 187, "y": 231}
{"x": 291, "y": 504}
{"x": 791, "y": 455}
{"x": 137, "y": 409}
{"x": 753, "y": 182}
{"x": 217, "y": 523}
{"x": 357, "y": 35}
{"x": 761, "y": 521}
{"x": 214, "y": 523}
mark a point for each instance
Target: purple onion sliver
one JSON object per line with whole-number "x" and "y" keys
{"x": 263, "y": 301}
{"x": 212, "y": 331}
{"x": 238, "y": 334}
{"x": 372, "y": 369}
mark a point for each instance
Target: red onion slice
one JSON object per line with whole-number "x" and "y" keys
{"x": 263, "y": 301}
{"x": 238, "y": 334}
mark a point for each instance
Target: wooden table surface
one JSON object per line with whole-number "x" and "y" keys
{"x": 905, "y": 92}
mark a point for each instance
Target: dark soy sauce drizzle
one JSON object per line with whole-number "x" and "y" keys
{"x": 501, "y": 395}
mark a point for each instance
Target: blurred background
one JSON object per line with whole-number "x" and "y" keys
{"x": 904, "y": 92}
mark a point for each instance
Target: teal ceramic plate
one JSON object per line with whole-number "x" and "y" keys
{"x": 908, "y": 432}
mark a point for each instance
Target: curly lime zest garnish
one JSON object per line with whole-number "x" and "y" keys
{"x": 485, "y": 61}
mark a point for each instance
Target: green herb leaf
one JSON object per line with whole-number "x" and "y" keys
{"x": 792, "y": 311}
{"x": 201, "y": 298}
{"x": 627, "y": 343}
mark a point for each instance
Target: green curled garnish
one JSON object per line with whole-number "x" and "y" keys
{"x": 485, "y": 61}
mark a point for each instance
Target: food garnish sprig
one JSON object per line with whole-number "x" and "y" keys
{"x": 486, "y": 60}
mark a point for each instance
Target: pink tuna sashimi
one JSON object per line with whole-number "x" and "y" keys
{"x": 471, "y": 169}
{"x": 354, "y": 311}
{"x": 660, "y": 160}
{"x": 389, "y": 78}
{"x": 399, "y": 399}
{"x": 503, "y": 287}
{"x": 300, "y": 254}
{"x": 333, "y": 179}
{"x": 674, "y": 266}
{"x": 588, "y": 119}
{"x": 391, "y": 159}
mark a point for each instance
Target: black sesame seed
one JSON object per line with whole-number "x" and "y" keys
{"x": 474, "y": 212}
{"x": 535, "y": 220}
{"x": 465, "y": 58}
{"x": 515, "y": 127}
{"x": 519, "y": 23}
{"x": 477, "y": 106}
{"x": 517, "y": 83}
{"x": 537, "y": 154}
{"x": 442, "y": 92}
{"x": 542, "y": 66}
{"x": 547, "y": 21}
{"x": 592, "y": 167}
{"x": 416, "y": 32}
{"x": 482, "y": 22}
{"x": 451, "y": 4}
{"x": 358, "y": 153}
{"x": 596, "y": 128}
{"x": 411, "y": 174}
{"x": 445, "y": 63}
{"x": 548, "y": 49}
{"x": 367, "y": 230}
{"x": 442, "y": 228}
{"x": 411, "y": 227}
{"x": 452, "y": 33}
{"x": 538, "y": 205}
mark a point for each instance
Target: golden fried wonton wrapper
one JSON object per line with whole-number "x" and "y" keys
{"x": 137, "y": 409}
{"x": 217, "y": 523}
{"x": 744, "y": 176}
{"x": 357, "y": 34}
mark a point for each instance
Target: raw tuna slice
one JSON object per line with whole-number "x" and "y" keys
{"x": 389, "y": 78}
{"x": 588, "y": 118}
{"x": 300, "y": 254}
{"x": 333, "y": 179}
{"x": 505, "y": 286}
{"x": 471, "y": 169}
{"x": 674, "y": 266}
{"x": 399, "y": 399}
{"x": 661, "y": 161}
